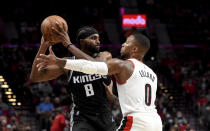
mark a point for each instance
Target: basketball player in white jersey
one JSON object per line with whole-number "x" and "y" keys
{"x": 136, "y": 82}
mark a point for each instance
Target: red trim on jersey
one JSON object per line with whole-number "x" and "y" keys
{"x": 128, "y": 123}
{"x": 132, "y": 63}
{"x": 138, "y": 60}
{"x": 120, "y": 83}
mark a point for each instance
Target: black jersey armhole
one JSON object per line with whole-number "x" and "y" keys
{"x": 70, "y": 72}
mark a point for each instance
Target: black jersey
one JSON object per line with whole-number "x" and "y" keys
{"x": 88, "y": 92}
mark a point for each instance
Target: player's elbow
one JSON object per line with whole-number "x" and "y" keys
{"x": 34, "y": 79}
{"x": 37, "y": 76}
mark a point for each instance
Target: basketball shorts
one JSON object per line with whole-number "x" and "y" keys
{"x": 141, "y": 122}
{"x": 92, "y": 122}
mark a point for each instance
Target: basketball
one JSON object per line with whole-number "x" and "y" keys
{"x": 48, "y": 23}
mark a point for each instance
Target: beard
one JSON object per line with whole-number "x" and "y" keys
{"x": 123, "y": 56}
{"x": 92, "y": 49}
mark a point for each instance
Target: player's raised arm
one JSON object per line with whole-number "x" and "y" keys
{"x": 64, "y": 37}
{"x": 48, "y": 72}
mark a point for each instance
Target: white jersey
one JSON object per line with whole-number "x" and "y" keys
{"x": 138, "y": 93}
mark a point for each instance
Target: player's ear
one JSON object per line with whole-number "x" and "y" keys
{"x": 135, "y": 49}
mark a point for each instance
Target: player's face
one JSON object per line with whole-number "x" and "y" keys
{"x": 92, "y": 43}
{"x": 126, "y": 47}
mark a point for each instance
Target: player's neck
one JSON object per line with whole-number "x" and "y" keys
{"x": 137, "y": 57}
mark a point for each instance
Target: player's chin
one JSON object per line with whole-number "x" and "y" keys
{"x": 123, "y": 56}
{"x": 97, "y": 48}
{"x": 121, "y": 52}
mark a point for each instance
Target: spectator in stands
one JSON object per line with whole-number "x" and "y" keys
{"x": 57, "y": 102}
{"x": 168, "y": 121}
{"x": 174, "y": 128}
{"x": 65, "y": 97}
{"x": 59, "y": 121}
{"x": 181, "y": 121}
{"x": 45, "y": 88}
{"x": 27, "y": 127}
{"x": 13, "y": 122}
{"x": 201, "y": 101}
{"x": 205, "y": 115}
{"x": 45, "y": 106}
{"x": 189, "y": 88}
{"x": 43, "y": 111}
{"x": 3, "y": 123}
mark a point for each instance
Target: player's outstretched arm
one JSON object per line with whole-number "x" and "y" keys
{"x": 47, "y": 72}
{"x": 120, "y": 68}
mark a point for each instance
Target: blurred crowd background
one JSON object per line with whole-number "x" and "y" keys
{"x": 179, "y": 32}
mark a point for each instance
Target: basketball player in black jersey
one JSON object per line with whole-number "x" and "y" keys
{"x": 90, "y": 110}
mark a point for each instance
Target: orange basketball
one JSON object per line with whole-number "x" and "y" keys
{"x": 48, "y": 23}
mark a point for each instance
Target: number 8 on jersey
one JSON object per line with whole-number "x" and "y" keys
{"x": 89, "y": 90}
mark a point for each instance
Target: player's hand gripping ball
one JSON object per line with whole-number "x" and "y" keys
{"x": 50, "y": 22}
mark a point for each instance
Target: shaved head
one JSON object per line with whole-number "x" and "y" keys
{"x": 142, "y": 41}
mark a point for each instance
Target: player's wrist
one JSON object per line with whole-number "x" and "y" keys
{"x": 45, "y": 44}
{"x": 61, "y": 62}
{"x": 68, "y": 45}
{"x": 44, "y": 47}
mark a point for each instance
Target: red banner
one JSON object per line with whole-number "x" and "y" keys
{"x": 134, "y": 20}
